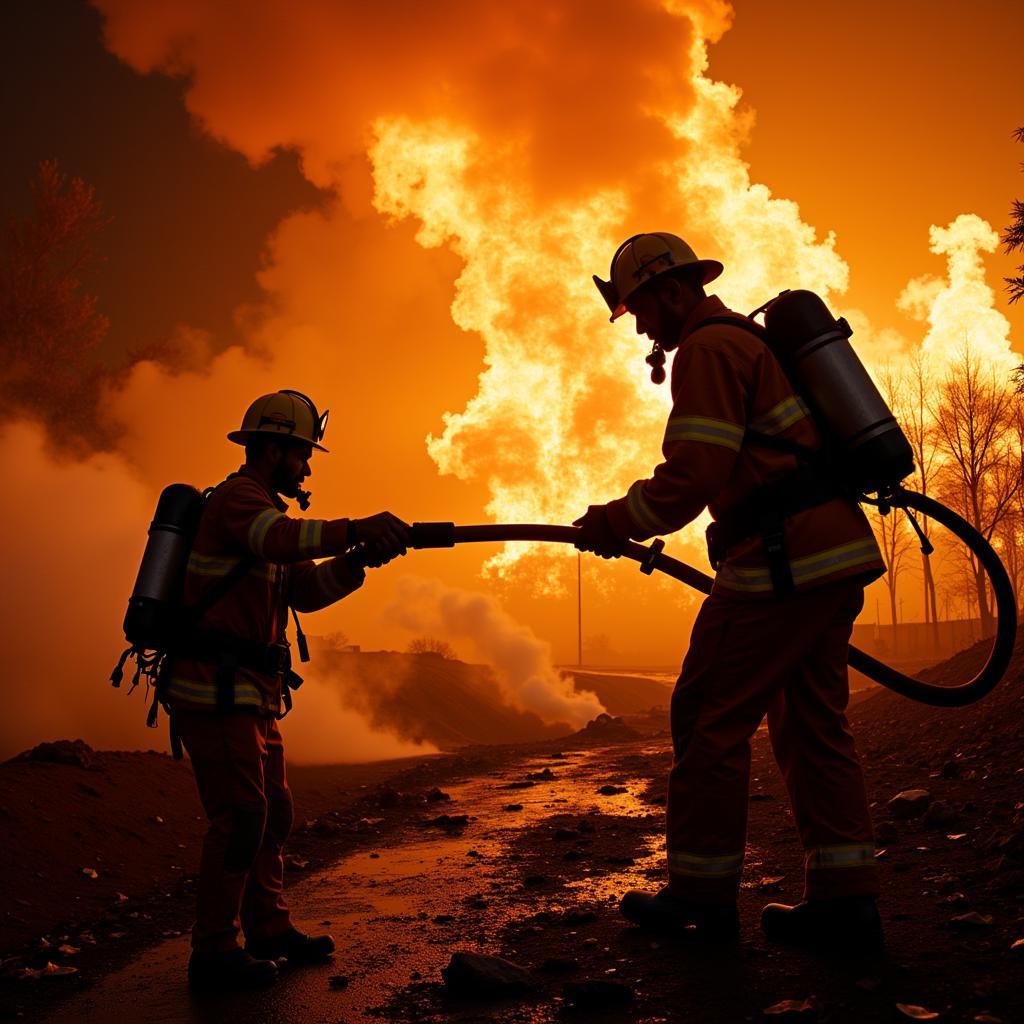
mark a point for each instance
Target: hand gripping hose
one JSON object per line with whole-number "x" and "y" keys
{"x": 446, "y": 535}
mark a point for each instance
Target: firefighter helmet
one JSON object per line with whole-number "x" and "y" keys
{"x": 287, "y": 414}
{"x": 643, "y": 257}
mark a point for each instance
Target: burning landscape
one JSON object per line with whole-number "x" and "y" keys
{"x": 399, "y": 211}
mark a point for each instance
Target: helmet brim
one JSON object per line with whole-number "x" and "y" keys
{"x": 711, "y": 270}
{"x": 243, "y": 437}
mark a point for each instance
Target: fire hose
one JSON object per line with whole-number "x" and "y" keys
{"x": 652, "y": 557}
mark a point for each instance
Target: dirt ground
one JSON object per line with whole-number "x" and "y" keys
{"x": 953, "y": 875}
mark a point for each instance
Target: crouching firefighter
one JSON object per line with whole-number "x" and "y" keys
{"x": 225, "y": 675}
{"x": 793, "y": 554}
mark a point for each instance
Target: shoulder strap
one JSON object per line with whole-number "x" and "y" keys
{"x": 755, "y": 437}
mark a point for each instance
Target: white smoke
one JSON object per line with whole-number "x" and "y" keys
{"x": 520, "y": 660}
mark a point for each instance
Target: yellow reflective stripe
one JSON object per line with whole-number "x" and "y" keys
{"x": 208, "y": 565}
{"x": 705, "y": 429}
{"x": 704, "y": 867}
{"x": 805, "y": 569}
{"x": 640, "y": 510}
{"x": 849, "y": 855}
{"x": 780, "y": 417}
{"x": 311, "y": 533}
{"x": 330, "y": 586}
{"x": 206, "y": 693}
{"x": 260, "y": 526}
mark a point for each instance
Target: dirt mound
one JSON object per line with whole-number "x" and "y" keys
{"x": 624, "y": 695}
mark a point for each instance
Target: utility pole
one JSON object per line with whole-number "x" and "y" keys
{"x": 579, "y": 610}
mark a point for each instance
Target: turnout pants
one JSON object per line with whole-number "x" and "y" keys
{"x": 785, "y": 658}
{"x": 238, "y": 761}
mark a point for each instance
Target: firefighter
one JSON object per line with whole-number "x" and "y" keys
{"x": 772, "y": 637}
{"x": 225, "y": 684}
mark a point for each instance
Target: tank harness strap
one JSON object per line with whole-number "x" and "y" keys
{"x": 764, "y": 513}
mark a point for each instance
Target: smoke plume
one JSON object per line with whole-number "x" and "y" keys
{"x": 521, "y": 662}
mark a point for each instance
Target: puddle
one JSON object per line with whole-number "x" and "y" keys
{"x": 398, "y": 915}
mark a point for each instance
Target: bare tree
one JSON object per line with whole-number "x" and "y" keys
{"x": 49, "y": 325}
{"x": 973, "y": 413}
{"x": 911, "y": 408}
{"x": 1013, "y": 239}
{"x": 432, "y": 645}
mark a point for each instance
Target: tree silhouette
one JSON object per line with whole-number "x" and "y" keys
{"x": 1013, "y": 241}
{"x": 432, "y": 645}
{"x": 49, "y": 324}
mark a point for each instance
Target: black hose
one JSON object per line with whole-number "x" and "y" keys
{"x": 443, "y": 535}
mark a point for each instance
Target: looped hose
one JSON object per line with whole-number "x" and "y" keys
{"x": 444, "y": 535}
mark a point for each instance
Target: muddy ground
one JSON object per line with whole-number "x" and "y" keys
{"x": 534, "y": 874}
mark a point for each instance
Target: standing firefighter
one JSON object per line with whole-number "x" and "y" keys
{"x": 772, "y": 638}
{"x": 225, "y": 682}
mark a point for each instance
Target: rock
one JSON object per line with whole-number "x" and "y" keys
{"x": 546, "y": 775}
{"x": 794, "y": 1009}
{"x": 436, "y": 796}
{"x": 338, "y": 982}
{"x": 294, "y": 863}
{"x": 532, "y": 881}
{"x": 559, "y": 965}
{"x": 90, "y": 873}
{"x": 562, "y": 835}
{"x": 574, "y": 855}
{"x": 512, "y": 807}
{"x": 73, "y": 752}
{"x": 598, "y": 994}
{"x": 952, "y": 770}
{"x": 612, "y": 790}
{"x": 444, "y": 919}
{"x": 955, "y": 899}
{"x": 1018, "y": 948}
{"x": 51, "y": 970}
{"x": 916, "y": 1012}
{"x": 972, "y": 919}
{"x": 481, "y": 976}
{"x": 986, "y": 1018}
{"x": 388, "y": 797}
{"x": 909, "y": 803}
{"x": 941, "y": 814}
{"x": 327, "y": 829}
{"x": 607, "y": 728}
{"x": 771, "y": 883}
{"x": 525, "y": 784}
{"x": 449, "y": 822}
{"x": 885, "y": 833}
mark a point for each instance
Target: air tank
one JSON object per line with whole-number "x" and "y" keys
{"x": 156, "y": 596}
{"x": 814, "y": 348}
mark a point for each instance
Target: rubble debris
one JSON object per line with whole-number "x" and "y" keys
{"x": 449, "y": 822}
{"x": 909, "y": 803}
{"x": 794, "y": 1009}
{"x": 609, "y": 790}
{"x": 436, "y": 796}
{"x": 608, "y": 728}
{"x": 941, "y": 814}
{"x": 73, "y": 752}
{"x": 51, "y": 970}
{"x": 545, "y": 775}
{"x": 482, "y": 976}
{"x": 598, "y": 994}
{"x": 916, "y": 1012}
{"x": 972, "y": 919}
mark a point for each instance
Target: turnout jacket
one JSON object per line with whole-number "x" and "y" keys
{"x": 725, "y": 380}
{"x": 242, "y": 519}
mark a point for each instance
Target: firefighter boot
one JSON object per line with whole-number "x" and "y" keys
{"x": 298, "y": 947}
{"x": 666, "y": 913}
{"x": 851, "y": 922}
{"x": 231, "y": 970}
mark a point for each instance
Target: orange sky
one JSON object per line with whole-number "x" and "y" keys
{"x": 485, "y": 161}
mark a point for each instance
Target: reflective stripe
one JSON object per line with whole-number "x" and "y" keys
{"x": 849, "y": 855}
{"x": 640, "y": 510}
{"x": 311, "y": 533}
{"x": 259, "y": 528}
{"x": 703, "y": 428}
{"x": 780, "y": 417}
{"x": 809, "y": 567}
{"x": 704, "y": 867}
{"x": 330, "y": 586}
{"x": 208, "y": 565}
{"x": 198, "y": 692}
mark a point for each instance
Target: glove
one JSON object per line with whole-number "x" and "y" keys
{"x": 382, "y": 537}
{"x": 596, "y": 533}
